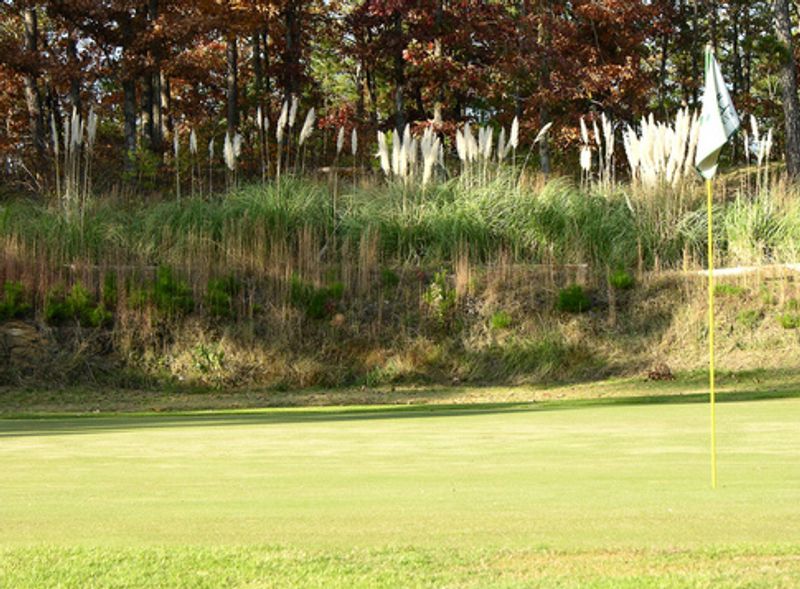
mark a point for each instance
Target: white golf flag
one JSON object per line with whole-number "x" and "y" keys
{"x": 718, "y": 120}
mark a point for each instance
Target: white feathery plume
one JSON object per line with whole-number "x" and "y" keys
{"x": 293, "y": 111}
{"x": 596, "y": 133}
{"x": 543, "y": 133}
{"x": 501, "y": 145}
{"x": 211, "y": 149}
{"x": 470, "y": 144}
{"x": 513, "y": 136}
{"x": 396, "y": 149}
{"x": 259, "y": 118}
{"x": 227, "y": 152}
{"x": 91, "y": 129}
{"x": 176, "y": 143}
{"x": 54, "y": 131}
{"x": 461, "y": 146}
{"x": 340, "y": 141}
{"x": 586, "y": 158}
{"x": 768, "y": 147}
{"x": 383, "y": 153}
{"x": 308, "y": 126}
{"x": 279, "y": 130}
{"x": 754, "y": 128}
{"x": 487, "y": 144}
{"x": 237, "y": 145}
{"x": 77, "y": 127}
{"x": 65, "y": 136}
{"x": 354, "y": 142}
{"x": 584, "y": 132}
{"x": 193, "y": 142}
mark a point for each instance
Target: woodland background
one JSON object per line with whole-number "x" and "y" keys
{"x": 149, "y": 68}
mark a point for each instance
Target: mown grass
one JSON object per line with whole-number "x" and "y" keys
{"x": 273, "y": 566}
{"x": 602, "y": 495}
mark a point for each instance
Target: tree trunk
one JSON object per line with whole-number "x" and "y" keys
{"x": 166, "y": 105}
{"x": 290, "y": 52}
{"x": 791, "y": 103}
{"x": 129, "y": 109}
{"x": 148, "y": 109}
{"x": 437, "y": 53}
{"x": 74, "y": 79}
{"x": 267, "y": 79}
{"x": 33, "y": 96}
{"x": 233, "y": 88}
{"x": 258, "y": 69}
{"x": 399, "y": 74}
{"x": 544, "y": 73}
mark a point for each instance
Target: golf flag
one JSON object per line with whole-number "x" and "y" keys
{"x": 718, "y": 120}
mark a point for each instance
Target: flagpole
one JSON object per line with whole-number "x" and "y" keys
{"x": 710, "y": 199}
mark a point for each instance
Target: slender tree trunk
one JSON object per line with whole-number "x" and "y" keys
{"x": 74, "y": 76}
{"x": 290, "y": 52}
{"x": 129, "y": 109}
{"x": 233, "y": 86}
{"x": 265, "y": 45}
{"x": 33, "y": 96}
{"x": 791, "y": 103}
{"x": 544, "y": 73}
{"x": 166, "y": 105}
{"x": 662, "y": 76}
{"x": 150, "y": 98}
{"x": 437, "y": 53}
{"x": 258, "y": 70}
{"x": 148, "y": 109}
{"x": 399, "y": 74}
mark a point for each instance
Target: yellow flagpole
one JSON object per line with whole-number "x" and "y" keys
{"x": 709, "y": 191}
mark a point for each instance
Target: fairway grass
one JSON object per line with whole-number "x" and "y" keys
{"x": 551, "y": 495}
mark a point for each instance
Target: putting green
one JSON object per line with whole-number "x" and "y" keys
{"x": 611, "y": 478}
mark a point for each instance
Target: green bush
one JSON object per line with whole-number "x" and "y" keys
{"x": 573, "y": 299}
{"x": 389, "y": 278}
{"x": 170, "y": 295}
{"x": 621, "y": 280}
{"x": 789, "y": 320}
{"x": 318, "y": 303}
{"x": 440, "y": 298}
{"x": 109, "y": 296}
{"x": 500, "y": 320}
{"x": 13, "y": 305}
{"x": 219, "y": 297}
{"x": 75, "y": 305}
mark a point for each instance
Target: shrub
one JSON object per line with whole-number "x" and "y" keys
{"x": 789, "y": 320}
{"x": 318, "y": 303}
{"x": 109, "y": 297}
{"x": 389, "y": 278}
{"x": 219, "y": 297}
{"x": 209, "y": 361}
{"x": 75, "y": 305}
{"x": 170, "y": 295}
{"x": 500, "y": 320}
{"x": 573, "y": 299}
{"x": 440, "y": 298}
{"x": 13, "y": 304}
{"x": 621, "y": 280}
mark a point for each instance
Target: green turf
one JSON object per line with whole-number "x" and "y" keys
{"x": 547, "y": 495}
